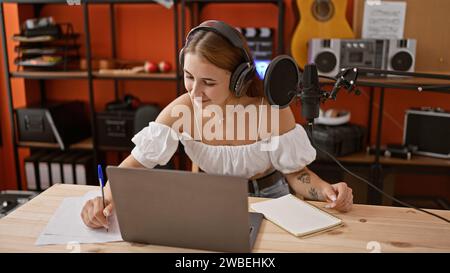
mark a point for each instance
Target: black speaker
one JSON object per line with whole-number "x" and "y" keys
{"x": 401, "y": 55}
{"x": 129, "y": 102}
{"x": 325, "y": 53}
{"x": 117, "y": 128}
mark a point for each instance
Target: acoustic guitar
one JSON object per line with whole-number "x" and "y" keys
{"x": 318, "y": 19}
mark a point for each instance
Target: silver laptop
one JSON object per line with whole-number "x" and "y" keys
{"x": 183, "y": 209}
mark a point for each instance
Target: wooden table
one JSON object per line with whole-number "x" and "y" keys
{"x": 366, "y": 229}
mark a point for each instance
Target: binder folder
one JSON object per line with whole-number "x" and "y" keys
{"x": 45, "y": 178}
{"x": 83, "y": 169}
{"x": 68, "y": 167}
{"x": 56, "y": 168}
{"x": 32, "y": 170}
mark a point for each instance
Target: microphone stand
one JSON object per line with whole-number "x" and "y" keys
{"x": 347, "y": 78}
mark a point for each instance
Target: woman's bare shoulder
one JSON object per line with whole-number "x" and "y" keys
{"x": 169, "y": 114}
{"x": 283, "y": 119}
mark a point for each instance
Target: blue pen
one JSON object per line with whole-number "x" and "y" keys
{"x": 102, "y": 184}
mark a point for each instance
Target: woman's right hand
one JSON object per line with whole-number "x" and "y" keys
{"x": 93, "y": 214}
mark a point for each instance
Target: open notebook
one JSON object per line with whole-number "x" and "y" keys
{"x": 296, "y": 216}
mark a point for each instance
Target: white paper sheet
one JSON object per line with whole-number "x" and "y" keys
{"x": 383, "y": 20}
{"x": 66, "y": 225}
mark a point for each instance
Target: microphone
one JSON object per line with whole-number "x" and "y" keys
{"x": 283, "y": 82}
{"x": 311, "y": 94}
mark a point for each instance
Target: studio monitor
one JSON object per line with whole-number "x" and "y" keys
{"x": 325, "y": 53}
{"x": 401, "y": 55}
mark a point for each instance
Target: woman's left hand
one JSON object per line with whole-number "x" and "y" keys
{"x": 339, "y": 196}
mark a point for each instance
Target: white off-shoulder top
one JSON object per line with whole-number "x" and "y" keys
{"x": 288, "y": 153}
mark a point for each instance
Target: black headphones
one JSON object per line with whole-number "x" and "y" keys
{"x": 243, "y": 75}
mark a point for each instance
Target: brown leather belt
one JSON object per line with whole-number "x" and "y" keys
{"x": 265, "y": 181}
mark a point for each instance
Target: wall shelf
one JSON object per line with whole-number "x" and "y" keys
{"x": 140, "y": 76}
{"x": 85, "y": 144}
{"x": 67, "y": 75}
{"x": 49, "y": 75}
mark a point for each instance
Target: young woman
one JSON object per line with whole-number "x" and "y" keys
{"x": 227, "y": 127}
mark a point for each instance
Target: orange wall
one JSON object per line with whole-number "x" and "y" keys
{"x": 145, "y": 32}
{"x": 3, "y": 126}
{"x": 24, "y": 94}
{"x": 7, "y": 174}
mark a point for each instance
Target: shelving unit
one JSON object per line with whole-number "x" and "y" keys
{"x": 196, "y": 7}
{"x": 89, "y": 75}
{"x": 377, "y": 163}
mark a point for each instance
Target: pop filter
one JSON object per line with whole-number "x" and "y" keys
{"x": 281, "y": 81}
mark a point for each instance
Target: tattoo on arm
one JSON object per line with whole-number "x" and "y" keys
{"x": 314, "y": 195}
{"x": 304, "y": 178}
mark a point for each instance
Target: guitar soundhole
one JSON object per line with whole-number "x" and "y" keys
{"x": 322, "y": 10}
